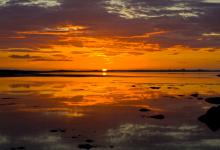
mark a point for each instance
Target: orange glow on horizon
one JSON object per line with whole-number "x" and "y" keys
{"x": 104, "y": 70}
{"x": 77, "y": 47}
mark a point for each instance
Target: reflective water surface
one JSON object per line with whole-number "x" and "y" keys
{"x": 63, "y": 113}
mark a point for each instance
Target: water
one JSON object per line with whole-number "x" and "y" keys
{"x": 60, "y": 113}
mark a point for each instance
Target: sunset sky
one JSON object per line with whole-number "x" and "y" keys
{"x": 112, "y": 34}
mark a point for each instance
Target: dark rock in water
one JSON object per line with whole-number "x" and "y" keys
{"x": 155, "y": 87}
{"x": 18, "y": 148}
{"x": 133, "y": 86}
{"x": 36, "y": 106}
{"x": 213, "y": 100}
{"x": 58, "y": 130}
{"x": 211, "y": 118}
{"x": 144, "y": 110}
{"x": 7, "y": 98}
{"x": 181, "y": 95}
{"x": 218, "y": 75}
{"x": 53, "y": 130}
{"x": 86, "y": 146}
{"x": 195, "y": 95}
{"x": 111, "y": 146}
{"x": 158, "y": 116}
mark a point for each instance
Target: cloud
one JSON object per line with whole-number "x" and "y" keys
{"x": 40, "y": 58}
{"x": 51, "y": 59}
{"x": 139, "y": 9}
{"x": 24, "y": 56}
{"x": 108, "y": 27}
{"x": 39, "y": 3}
{"x": 211, "y": 1}
{"x": 18, "y": 50}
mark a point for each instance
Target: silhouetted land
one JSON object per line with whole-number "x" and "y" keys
{"x": 212, "y": 118}
{"x": 53, "y": 73}
{"x": 213, "y": 100}
{"x": 78, "y": 73}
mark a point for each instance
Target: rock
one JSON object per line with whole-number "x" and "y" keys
{"x": 111, "y": 146}
{"x": 180, "y": 95}
{"x": 211, "y": 118}
{"x": 158, "y": 116}
{"x": 53, "y": 130}
{"x": 86, "y": 146}
{"x": 144, "y": 110}
{"x": 213, "y": 100}
{"x": 195, "y": 95}
{"x": 58, "y": 130}
{"x": 155, "y": 87}
{"x": 218, "y": 75}
{"x": 18, "y": 148}
{"x": 7, "y": 98}
{"x": 133, "y": 86}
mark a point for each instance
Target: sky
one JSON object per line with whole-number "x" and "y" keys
{"x": 112, "y": 34}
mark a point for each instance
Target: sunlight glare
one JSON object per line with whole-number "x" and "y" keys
{"x": 104, "y": 70}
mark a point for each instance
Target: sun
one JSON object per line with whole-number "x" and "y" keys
{"x": 104, "y": 70}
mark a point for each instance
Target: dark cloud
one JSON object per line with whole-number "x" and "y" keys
{"x": 28, "y": 51}
{"x": 185, "y": 21}
{"x": 40, "y": 58}
{"x": 24, "y": 57}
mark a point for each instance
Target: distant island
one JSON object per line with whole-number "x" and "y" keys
{"x": 79, "y": 73}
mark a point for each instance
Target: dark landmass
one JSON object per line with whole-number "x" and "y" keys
{"x": 86, "y": 146}
{"x": 144, "y": 110}
{"x": 218, "y": 75}
{"x": 155, "y": 88}
{"x": 212, "y": 118}
{"x": 195, "y": 95}
{"x": 213, "y": 100}
{"x": 158, "y": 116}
{"x": 78, "y": 73}
{"x": 22, "y": 73}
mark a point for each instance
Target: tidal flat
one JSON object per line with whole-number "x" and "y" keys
{"x": 119, "y": 111}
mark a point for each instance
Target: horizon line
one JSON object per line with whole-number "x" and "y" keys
{"x": 110, "y": 70}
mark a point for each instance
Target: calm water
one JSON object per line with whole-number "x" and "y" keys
{"x": 61, "y": 113}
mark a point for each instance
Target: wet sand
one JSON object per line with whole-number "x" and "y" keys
{"x": 140, "y": 111}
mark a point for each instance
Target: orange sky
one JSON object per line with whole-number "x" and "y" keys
{"x": 111, "y": 34}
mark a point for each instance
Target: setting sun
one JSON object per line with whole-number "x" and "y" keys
{"x": 104, "y": 70}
